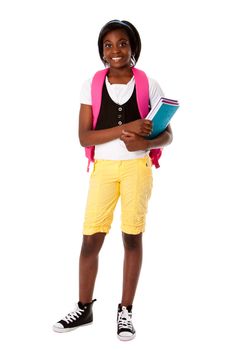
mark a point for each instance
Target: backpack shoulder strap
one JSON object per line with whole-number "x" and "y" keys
{"x": 96, "y": 92}
{"x": 142, "y": 91}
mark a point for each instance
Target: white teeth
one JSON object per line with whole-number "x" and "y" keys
{"x": 116, "y": 59}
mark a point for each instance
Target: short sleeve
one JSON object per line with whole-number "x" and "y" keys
{"x": 155, "y": 91}
{"x": 85, "y": 93}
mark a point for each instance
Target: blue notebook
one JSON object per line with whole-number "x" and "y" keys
{"x": 161, "y": 115}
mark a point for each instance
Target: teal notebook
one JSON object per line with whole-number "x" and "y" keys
{"x": 161, "y": 115}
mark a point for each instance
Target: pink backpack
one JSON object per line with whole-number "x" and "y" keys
{"x": 142, "y": 94}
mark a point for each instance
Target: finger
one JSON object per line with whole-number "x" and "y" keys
{"x": 147, "y": 131}
{"x": 147, "y": 122}
{"x": 145, "y": 134}
{"x": 147, "y": 125}
{"x": 125, "y": 138}
{"x": 127, "y": 133}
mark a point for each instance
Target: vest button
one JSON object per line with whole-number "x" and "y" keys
{"x": 119, "y": 115}
{"x": 120, "y": 109}
{"x": 119, "y": 123}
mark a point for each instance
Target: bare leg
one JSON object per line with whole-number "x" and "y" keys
{"x": 132, "y": 266}
{"x": 88, "y": 265}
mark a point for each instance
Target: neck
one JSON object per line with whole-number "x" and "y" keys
{"x": 122, "y": 75}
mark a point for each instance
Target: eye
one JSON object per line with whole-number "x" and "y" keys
{"x": 123, "y": 43}
{"x": 107, "y": 45}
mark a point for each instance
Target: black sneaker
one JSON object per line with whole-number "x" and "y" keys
{"x": 81, "y": 316}
{"x": 125, "y": 329}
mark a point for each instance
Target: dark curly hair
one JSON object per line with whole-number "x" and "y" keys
{"x": 134, "y": 37}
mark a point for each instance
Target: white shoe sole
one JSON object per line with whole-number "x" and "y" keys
{"x": 65, "y": 330}
{"x": 126, "y": 338}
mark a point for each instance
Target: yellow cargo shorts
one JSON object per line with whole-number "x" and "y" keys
{"x": 110, "y": 179}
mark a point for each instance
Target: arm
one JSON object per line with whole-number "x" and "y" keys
{"x": 164, "y": 139}
{"x": 90, "y": 137}
{"x": 134, "y": 142}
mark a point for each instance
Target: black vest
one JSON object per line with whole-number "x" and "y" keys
{"x": 112, "y": 114}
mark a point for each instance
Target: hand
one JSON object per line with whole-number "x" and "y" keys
{"x": 134, "y": 142}
{"x": 141, "y": 127}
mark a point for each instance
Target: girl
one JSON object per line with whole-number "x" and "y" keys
{"x": 122, "y": 168}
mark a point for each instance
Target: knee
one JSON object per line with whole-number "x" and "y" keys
{"x": 91, "y": 245}
{"x": 132, "y": 242}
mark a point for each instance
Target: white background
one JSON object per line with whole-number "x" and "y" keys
{"x": 184, "y": 298}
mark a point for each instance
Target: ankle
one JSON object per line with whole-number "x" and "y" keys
{"x": 85, "y": 301}
{"x": 126, "y": 303}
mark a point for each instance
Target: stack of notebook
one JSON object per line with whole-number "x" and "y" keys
{"x": 161, "y": 115}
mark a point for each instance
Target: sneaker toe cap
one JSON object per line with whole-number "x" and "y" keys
{"x": 126, "y": 335}
{"x": 58, "y": 325}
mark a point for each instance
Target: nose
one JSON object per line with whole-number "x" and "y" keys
{"x": 115, "y": 49}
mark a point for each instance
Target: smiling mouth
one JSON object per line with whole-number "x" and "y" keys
{"x": 116, "y": 59}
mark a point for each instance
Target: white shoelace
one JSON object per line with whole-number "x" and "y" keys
{"x": 73, "y": 315}
{"x": 124, "y": 319}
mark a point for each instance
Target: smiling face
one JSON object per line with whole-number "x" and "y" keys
{"x": 116, "y": 49}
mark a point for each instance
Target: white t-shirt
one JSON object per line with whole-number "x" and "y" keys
{"x": 120, "y": 94}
